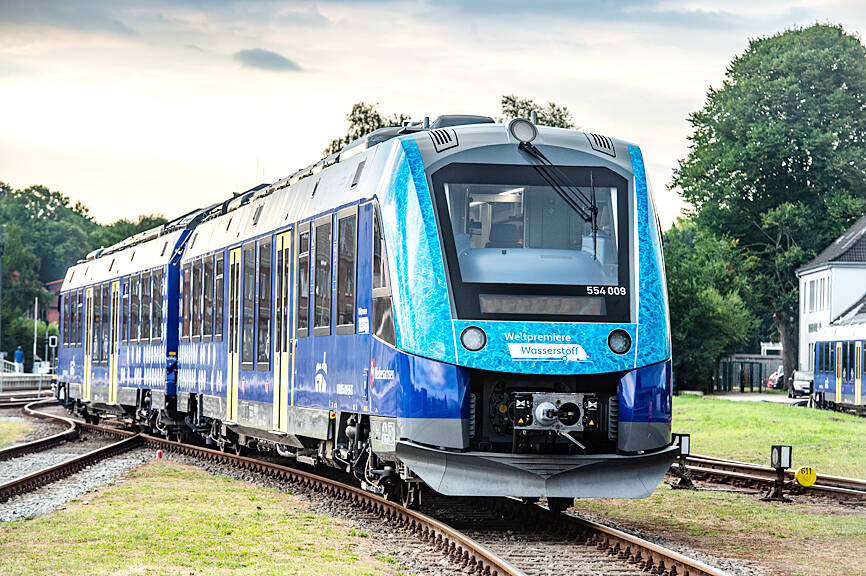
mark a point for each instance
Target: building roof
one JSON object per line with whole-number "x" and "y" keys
{"x": 854, "y": 314}
{"x": 849, "y": 247}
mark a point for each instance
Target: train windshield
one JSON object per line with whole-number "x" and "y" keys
{"x": 517, "y": 245}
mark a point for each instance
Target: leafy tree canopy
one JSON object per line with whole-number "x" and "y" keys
{"x": 776, "y": 158}
{"x": 364, "y": 118}
{"x": 708, "y": 300}
{"x": 45, "y": 233}
{"x": 550, "y": 115}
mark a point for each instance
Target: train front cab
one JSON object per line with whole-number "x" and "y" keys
{"x": 616, "y": 442}
{"x": 839, "y": 368}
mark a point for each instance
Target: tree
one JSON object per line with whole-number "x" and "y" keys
{"x": 709, "y": 316}
{"x": 363, "y": 119}
{"x": 121, "y": 229}
{"x": 550, "y": 115}
{"x": 776, "y": 159}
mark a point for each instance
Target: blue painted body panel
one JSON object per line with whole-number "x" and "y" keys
{"x": 645, "y": 394}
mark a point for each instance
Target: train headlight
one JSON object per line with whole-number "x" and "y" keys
{"x": 473, "y": 338}
{"x": 523, "y": 130}
{"x": 619, "y": 341}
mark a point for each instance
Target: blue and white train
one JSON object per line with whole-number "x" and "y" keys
{"x": 473, "y": 306}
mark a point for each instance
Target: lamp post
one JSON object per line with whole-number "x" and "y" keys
{"x": 780, "y": 459}
{"x": 683, "y": 441}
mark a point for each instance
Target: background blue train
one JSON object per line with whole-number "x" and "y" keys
{"x": 473, "y": 306}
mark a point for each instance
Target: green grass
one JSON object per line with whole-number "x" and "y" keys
{"x": 13, "y": 431}
{"x": 830, "y": 442}
{"x": 789, "y": 538}
{"x": 172, "y": 519}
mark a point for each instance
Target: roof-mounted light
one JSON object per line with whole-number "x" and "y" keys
{"x": 523, "y": 130}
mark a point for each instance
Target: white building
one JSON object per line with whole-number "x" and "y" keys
{"x": 829, "y": 285}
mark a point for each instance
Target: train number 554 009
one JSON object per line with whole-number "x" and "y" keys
{"x": 605, "y": 290}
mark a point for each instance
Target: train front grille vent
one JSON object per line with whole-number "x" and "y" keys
{"x": 472, "y": 415}
{"x": 443, "y": 139}
{"x": 601, "y": 143}
{"x": 613, "y": 418}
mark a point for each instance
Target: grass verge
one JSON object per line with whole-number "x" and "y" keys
{"x": 174, "y": 519}
{"x": 831, "y": 442}
{"x": 789, "y": 539}
{"x": 12, "y": 431}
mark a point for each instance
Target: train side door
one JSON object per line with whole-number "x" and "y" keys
{"x": 283, "y": 337}
{"x": 838, "y": 372}
{"x": 114, "y": 342}
{"x": 88, "y": 345}
{"x": 858, "y": 372}
{"x": 234, "y": 335}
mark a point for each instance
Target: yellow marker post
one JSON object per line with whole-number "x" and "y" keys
{"x": 805, "y": 476}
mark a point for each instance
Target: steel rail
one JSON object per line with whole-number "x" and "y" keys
{"x": 759, "y": 476}
{"x": 69, "y": 433}
{"x": 649, "y": 557}
{"x": 53, "y": 473}
{"x": 460, "y": 548}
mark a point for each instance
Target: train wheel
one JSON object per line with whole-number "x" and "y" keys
{"x": 410, "y": 495}
{"x": 559, "y": 504}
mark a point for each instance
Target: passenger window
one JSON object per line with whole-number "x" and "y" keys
{"x": 322, "y": 307}
{"x": 79, "y": 317}
{"x": 184, "y": 331}
{"x": 303, "y": 314}
{"x": 106, "y": 315}
{"x": 134, "y": 318}
{"x": 196, "y": 299}
{"x": 383, "y": 318}
{"x": 207, "y": 298}
{"x": 95, "y": 321}
{"x": 263, "y": 341}
{"x": 218, "y": 300}
{"x": 124, "y": 313}
{"x": 64, "y": 299}
{"x": 346, "y": 242}
{"x": 248, "y": 319}
{"x": 157, "y": 304}
{"x": 145, "y": 307}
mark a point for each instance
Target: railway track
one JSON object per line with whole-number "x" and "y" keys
{"x": 744, "y": 474}
{"x": 21, "y": 398}
{"x": 477, "y": 553}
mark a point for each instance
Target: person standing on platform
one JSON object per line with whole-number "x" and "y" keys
{"x": 19, "y": 360}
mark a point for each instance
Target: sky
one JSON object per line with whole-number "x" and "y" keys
{"x": 161, "y": 106}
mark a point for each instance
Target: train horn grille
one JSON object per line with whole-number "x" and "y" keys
{"x": 601, "y": 143}
{"x": 443, "y": 139}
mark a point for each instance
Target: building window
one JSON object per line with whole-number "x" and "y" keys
{"x": 322, "y": 304}
{"x": 263, "y": 340}
{"x": 218, "y": 300}
{"x": 248, "y": 330}
{"x": 303, "y": 315}
{"x": 156, "y": 302}
{"x": 184, "y": 331}
{"x": 346, "y": 247}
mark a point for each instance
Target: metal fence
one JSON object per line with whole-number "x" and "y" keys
{"x": 12, "y": 382}
{"x": 745, "y": 373}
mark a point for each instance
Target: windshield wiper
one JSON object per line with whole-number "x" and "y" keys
{"x": 586, "y": 207}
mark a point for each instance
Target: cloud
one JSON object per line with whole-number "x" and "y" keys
{"x": 265, "y": 60}
{"x": 87, "y": 17}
